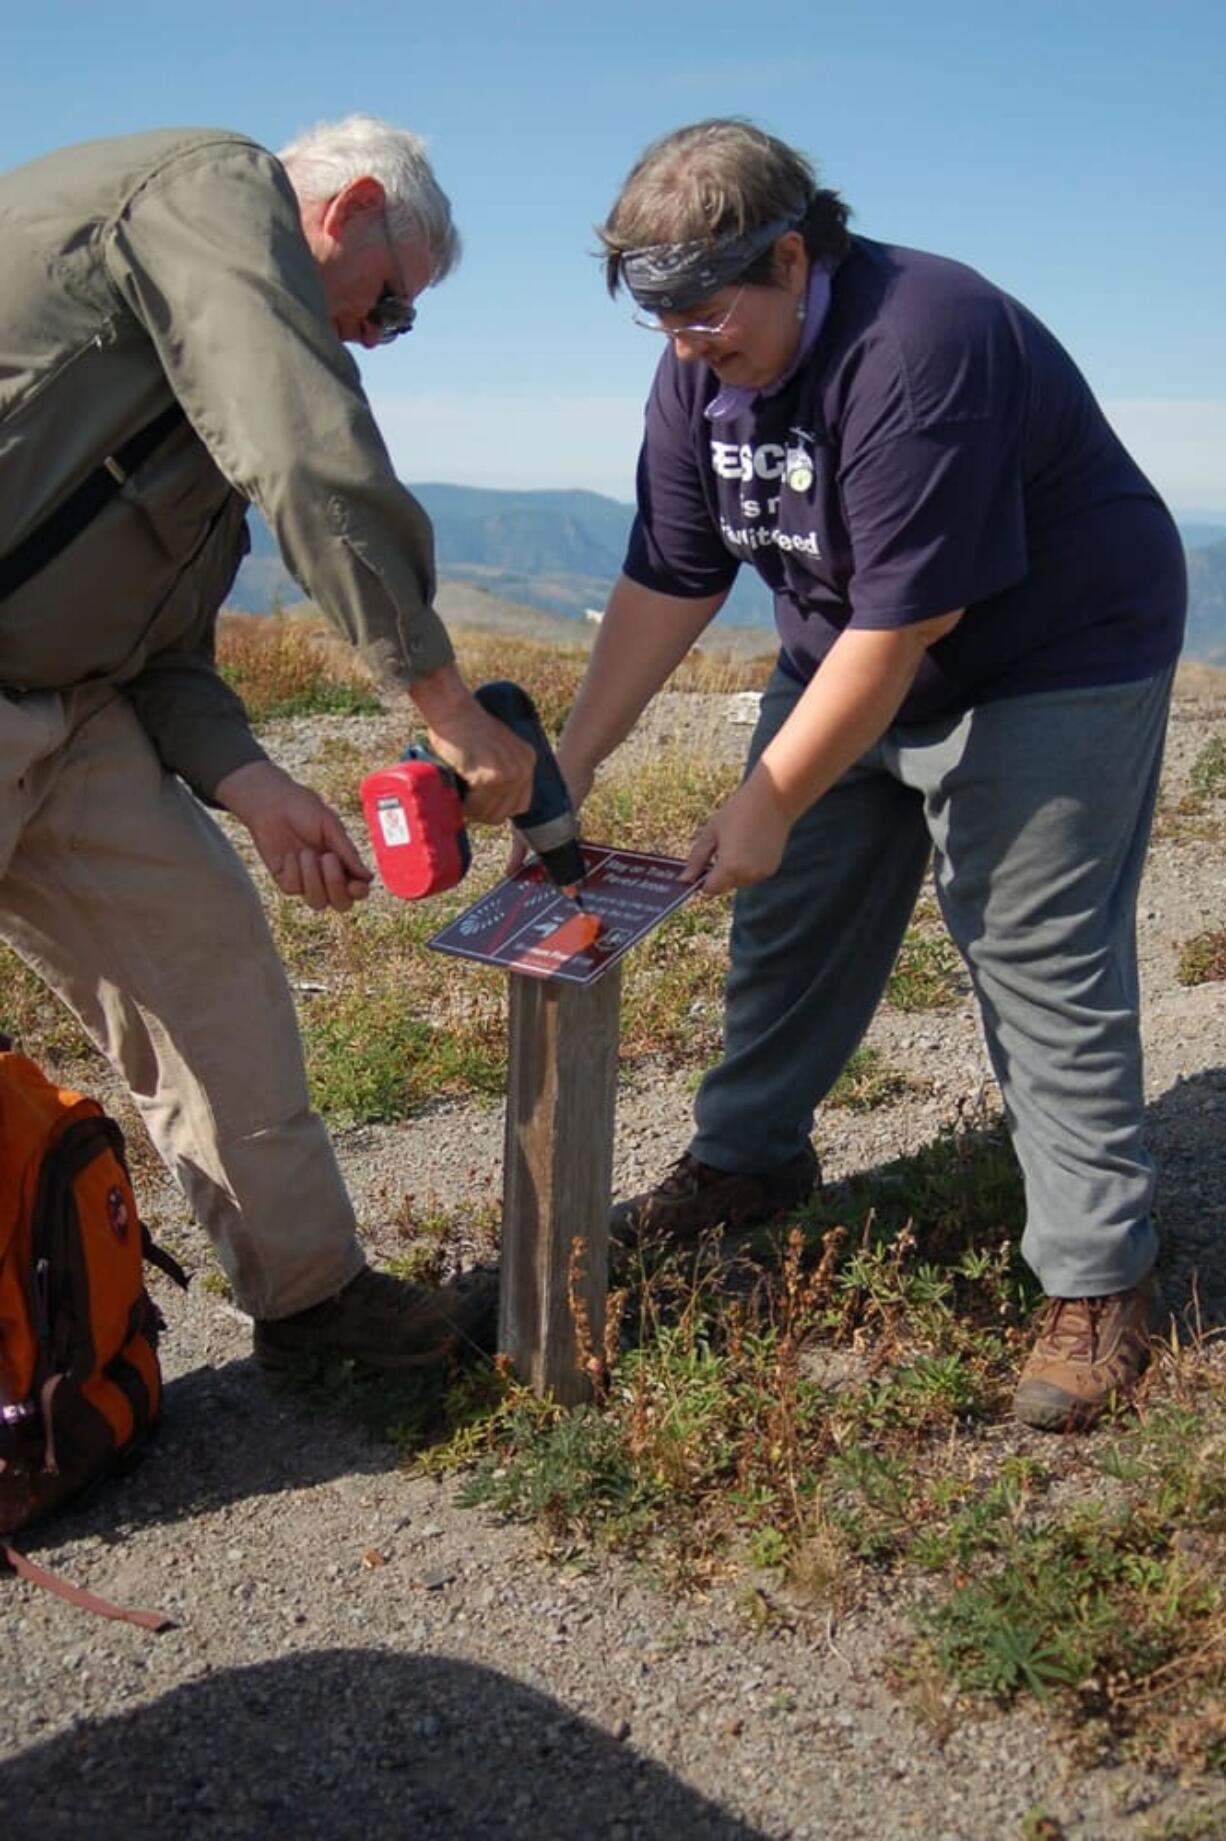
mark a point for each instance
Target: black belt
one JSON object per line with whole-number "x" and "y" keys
{"x": 81, "y": 507}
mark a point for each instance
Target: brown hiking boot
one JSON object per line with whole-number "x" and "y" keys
{"x": 384, "y": 1322}
{"x": 1089, "y": 1355}
{"x": 694, "y": 1198}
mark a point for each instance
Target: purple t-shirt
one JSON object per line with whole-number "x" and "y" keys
{"x": 938, "y": 450}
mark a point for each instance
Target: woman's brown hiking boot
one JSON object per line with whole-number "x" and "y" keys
{"x": 695, "y": 1197}
{"x": 1089, "y": 1355}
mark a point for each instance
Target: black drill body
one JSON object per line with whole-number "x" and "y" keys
{"x": 548, "y": 827}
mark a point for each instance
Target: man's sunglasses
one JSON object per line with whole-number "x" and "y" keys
{"x": 392, "y": 313}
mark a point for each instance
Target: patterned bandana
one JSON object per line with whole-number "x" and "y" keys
{"x": 673, "y": 277}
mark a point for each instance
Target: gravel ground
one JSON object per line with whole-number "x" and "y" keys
{"x": 356, "y": 1655}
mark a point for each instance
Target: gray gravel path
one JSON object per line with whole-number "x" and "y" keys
{"x": 357, "y": 1655}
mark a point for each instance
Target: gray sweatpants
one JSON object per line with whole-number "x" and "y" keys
{"x": 1037, "y": 811}
{"x": 118, "y": 889}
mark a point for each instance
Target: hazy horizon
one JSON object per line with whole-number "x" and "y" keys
{"x": 1070, "y": 153}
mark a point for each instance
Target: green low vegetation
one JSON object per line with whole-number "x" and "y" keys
{"x": 1197, "y": 816}
{"x": 1202, "y": 959}
{"x": 928, "y": 974}
{"x": 37, "y": 1021}
{"x": 1208, "y": 774}
{"x": 869, "y": 1081}
{"x": 822, "y": 1413}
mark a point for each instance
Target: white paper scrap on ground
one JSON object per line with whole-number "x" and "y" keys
{"x": 743, "y": 706}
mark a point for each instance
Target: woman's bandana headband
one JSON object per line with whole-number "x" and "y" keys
{"x": 673, "y": 277}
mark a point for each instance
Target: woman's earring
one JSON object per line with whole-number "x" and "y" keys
{"x": 800, "y": 308}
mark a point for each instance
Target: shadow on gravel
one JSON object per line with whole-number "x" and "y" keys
{"x": 1186, "y": 1130}
{"x": 227, "y": 1435}
{"x": 344, "y": 1743}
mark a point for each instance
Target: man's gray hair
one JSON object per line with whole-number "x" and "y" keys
{"x": 329, "y": 157}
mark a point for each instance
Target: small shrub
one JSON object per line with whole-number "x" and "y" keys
{"x": 572, "y": 1475}
{"x": 1202, "y": 959}
{"x": 928, "y": 973}
{"x": 1207, "y": 777}
{"x": 868, "y": 1081}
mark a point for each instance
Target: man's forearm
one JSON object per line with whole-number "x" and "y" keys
{"x": 440, "y": 695}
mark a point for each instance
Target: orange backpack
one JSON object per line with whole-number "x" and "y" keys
{"x": 80, "y": 1383}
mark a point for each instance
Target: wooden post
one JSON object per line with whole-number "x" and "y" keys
{"x": 558, "y": 1181}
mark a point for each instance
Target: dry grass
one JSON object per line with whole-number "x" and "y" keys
{"x": 827, "y": 1407}
{"x": 824, "y": 1415}
{"x": 712, "y": 1450}
{"x": 552, "y": 674}
{"x": 1198, "y": 815}
{"x": 291, "y": 665}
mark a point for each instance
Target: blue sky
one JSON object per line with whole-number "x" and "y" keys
{"x": 1073, "y": 151}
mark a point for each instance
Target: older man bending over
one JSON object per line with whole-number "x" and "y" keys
{"x": 174, "y": 310}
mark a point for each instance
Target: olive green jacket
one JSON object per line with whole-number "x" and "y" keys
{"x": 173, "y": 265}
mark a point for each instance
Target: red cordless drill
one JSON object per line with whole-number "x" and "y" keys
{"x": 415, "y": 814}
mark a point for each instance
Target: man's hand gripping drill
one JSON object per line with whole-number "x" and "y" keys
{"x": 415, "y": 811}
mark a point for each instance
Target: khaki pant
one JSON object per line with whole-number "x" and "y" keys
{"x": 118, "y": 889}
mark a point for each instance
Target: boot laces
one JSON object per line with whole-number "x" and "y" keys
{"x": 1071, "y": 1326}
{"x": 685, "y": 1177}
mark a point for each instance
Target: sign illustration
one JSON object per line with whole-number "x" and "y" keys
{"x": 527, "y": 925}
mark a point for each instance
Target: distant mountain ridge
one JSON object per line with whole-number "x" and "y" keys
{"x": 557, "y": 551}
{"x": 560, "y": 552}
{"x": 576, "y": 533}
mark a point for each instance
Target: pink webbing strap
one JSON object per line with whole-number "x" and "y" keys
{"x": 75, "y": 1594}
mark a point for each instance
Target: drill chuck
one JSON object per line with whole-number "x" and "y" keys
{"x": 557, "y": 845}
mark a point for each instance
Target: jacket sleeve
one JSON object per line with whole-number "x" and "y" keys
{"x": 196, "y": 722}
{"x": 209, "y": 255}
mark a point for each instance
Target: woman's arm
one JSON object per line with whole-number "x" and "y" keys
{"x": 642, "y": 639}
{"x": 850, "y": 702}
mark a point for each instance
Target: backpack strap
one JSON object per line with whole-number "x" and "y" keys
{"x": 77, "y": 1595}
{"x": 159, "y": 1257}
{"x": 80, "y": 508}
